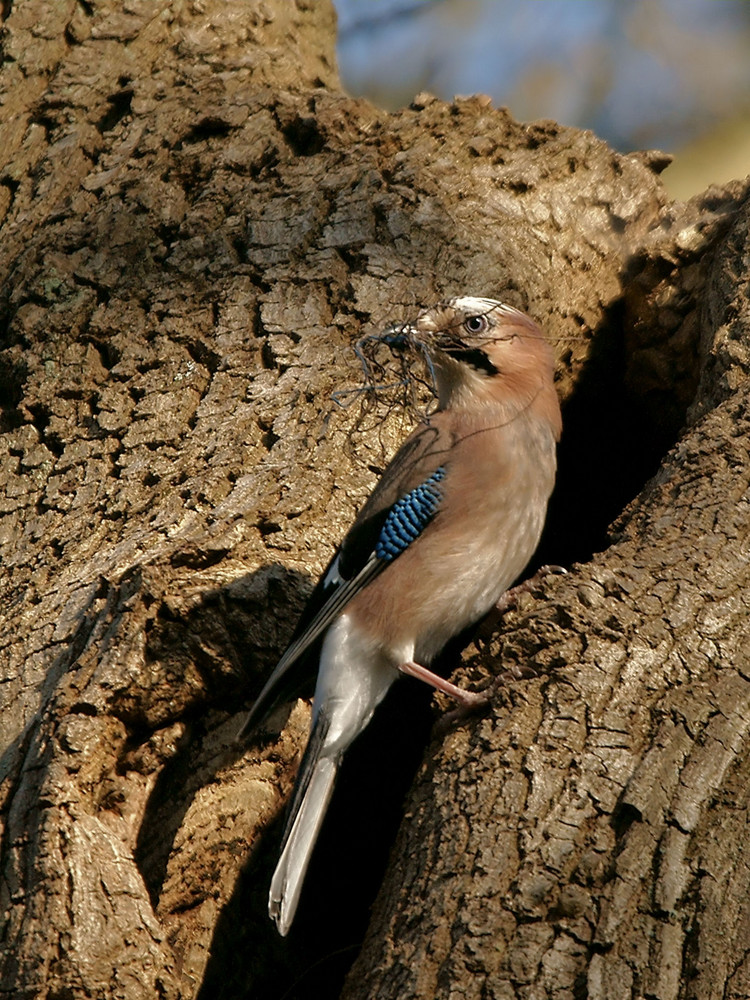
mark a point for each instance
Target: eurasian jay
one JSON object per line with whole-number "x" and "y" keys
{"x": 453, "y": 521}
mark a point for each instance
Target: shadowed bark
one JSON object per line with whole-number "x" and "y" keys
{"x": 197, "y": 225}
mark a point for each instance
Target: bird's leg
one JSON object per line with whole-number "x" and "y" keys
{"x": 467, "y": 699}
{"x": 475, "y": 699}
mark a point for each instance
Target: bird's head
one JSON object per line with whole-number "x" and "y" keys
{"x": 484, "y": 352}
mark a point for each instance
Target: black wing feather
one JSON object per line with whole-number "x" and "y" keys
{"x": 422, "y": 453}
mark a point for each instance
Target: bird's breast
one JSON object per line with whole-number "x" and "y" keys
{"x": 490, "y": 519}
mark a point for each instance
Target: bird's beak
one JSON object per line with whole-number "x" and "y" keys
{"x": 445, "y": 342}
{"x": 405, "y": 337}
{"x": 399, "y": 336}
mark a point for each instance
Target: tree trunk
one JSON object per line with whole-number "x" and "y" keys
{"x": 197, "y": 225}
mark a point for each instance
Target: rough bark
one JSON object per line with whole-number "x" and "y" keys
{"x": 590, "y": 835}
{"x": 197, "y": 225}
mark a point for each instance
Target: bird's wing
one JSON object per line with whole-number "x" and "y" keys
{"x": 406, "y": 498}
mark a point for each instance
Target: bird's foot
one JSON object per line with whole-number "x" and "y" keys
{"x": 517, "y": 672}
{"x": 510, "y": 597}
{"x": 468, "y": 702}
{"x": 476, "y": 702}
{"x": 466, "y": 699}
{"x": 488, "y": 626}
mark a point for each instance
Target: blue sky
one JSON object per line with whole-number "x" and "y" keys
{"x": 640, "y": 73}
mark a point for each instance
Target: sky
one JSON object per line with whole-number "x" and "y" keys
{"x": 640, "y": 73}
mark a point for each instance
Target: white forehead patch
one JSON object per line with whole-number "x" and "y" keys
{"x": 476, "y": 306}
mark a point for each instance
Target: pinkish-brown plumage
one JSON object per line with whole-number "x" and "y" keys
{"x": 451, "y": 524}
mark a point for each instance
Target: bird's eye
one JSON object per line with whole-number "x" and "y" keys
{"x": 476, "y": 324}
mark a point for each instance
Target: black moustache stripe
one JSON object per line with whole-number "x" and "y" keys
{"x": 474, "y": 357}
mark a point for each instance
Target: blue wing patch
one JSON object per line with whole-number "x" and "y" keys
{"x": 409, "y": 516}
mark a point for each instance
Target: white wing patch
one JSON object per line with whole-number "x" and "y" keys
{"x": 333, "y": 577}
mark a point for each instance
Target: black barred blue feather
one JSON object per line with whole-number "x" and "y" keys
{"x": 409, "y": 516}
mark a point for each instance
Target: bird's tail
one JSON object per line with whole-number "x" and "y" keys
{"x": 312, "y": 793}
